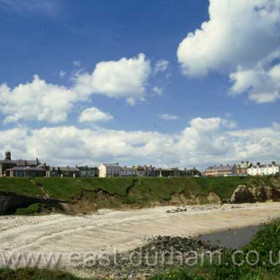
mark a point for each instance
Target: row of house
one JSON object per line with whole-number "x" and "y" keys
{"x": 116, "y": 170}
{"x": 34, "y": 168}
{"x": 245, "y": 168}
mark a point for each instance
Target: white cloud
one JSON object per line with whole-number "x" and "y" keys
{"x": 238, "y": 33}
{"x": 41, "y": 101}
{"x": 94, "y": 115}
{"x": 262, "y": 85}
{"x": 241, "y": 38}
{"x": 125, "y": 78}
{"x": 77, "y": 63}
{"x": 46, "y": 7}
{"x": 157, "y": 90}
{"x": 202, "y": 142}
{"x": 36, "y": 100}
{"x": 211, "y": 124}
{"x": 168, "y": 117}
{"x": 161, "y": 65}
{"x": 62, "y": 74}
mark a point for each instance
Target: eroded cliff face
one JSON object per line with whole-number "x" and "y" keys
{"x": 244, "y": 194}
{"x": 255, "y": 189}
{"x": 10, "y": 201}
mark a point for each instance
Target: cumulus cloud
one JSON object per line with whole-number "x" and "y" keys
{"x": 161, "y": 65}
{"x": 77, "y": 63}
{"x": 125, "y": 78}
{"x": 238, "y": 35}
{"x": 202, "y": 142}
{"x": 36, "y": 100}
{"x": 62, "y": 74}
{"x": 94, "y": 115}
{"x": 168, "y": 117}
{"x": 262, "y": 85}
{"x": 46, "y": 7}
{"x": 157, "y": 90}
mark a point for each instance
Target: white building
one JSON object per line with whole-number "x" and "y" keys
{"x": 109, "y": 170}
{"x": 264, "y": 169}
{"x": 128, "y": 171}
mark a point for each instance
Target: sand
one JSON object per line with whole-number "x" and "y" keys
{"x": 123, "y": 230}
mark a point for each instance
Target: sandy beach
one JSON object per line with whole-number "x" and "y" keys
{"x": 124, "y": 230}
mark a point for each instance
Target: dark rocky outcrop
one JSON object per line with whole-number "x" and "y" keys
{"x": 245, "y": 194}
{"x": 11, "y": 201}
{"x": 242, "y": 194}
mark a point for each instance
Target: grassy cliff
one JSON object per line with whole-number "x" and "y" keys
{"x": 89, "y": 194}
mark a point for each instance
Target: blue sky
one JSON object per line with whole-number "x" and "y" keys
{"x": 180, "y": 92}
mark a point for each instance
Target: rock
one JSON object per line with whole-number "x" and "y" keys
{"x": 259, "y": 193}
{"x": 242, "y": 195}
{"x": 214, "y": 198}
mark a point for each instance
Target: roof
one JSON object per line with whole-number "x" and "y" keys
{"x": 85, "y": 168}
{"x": 111, "y": 164}
{"x": 125, "y": 168}
{"x": 26, "y": 168}
{"x": 265, "y": 166}
{"x": 8, "y": 161}
{"x": 20, "y": 162}
{"x": 220, "y": 167}
{"x": 67, "y": 168}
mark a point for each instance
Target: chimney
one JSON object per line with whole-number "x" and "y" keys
{"x": 8, "y": 156}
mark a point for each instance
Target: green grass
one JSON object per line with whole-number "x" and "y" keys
{"x": 35, "y": 274}
{"x": 32, "y": 209}
{"x": 162, "y": 188}
{"x": 21, "y": 186}
{"x": 71, "y": 188}
{"x": 266, "y": 240}
{"x": 144, "y": 190}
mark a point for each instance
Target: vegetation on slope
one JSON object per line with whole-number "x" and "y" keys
{"x": 35, "y": 274}
{"x": 266, "y": 243}
{"x": 21, "y": 186}
{"x": 95, "y": 193}
{"x": 158, "y": 189}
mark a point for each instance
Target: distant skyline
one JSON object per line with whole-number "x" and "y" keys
{"x": 169, "y": 83}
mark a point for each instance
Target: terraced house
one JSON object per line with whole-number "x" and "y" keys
{"x": 20, "y": 167}
{"x": 264, "y": 169}
{"x": 221, "y": 170}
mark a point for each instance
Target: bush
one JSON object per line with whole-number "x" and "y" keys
{"x": 34, "y": 274}
{"x": 31, "y": 209}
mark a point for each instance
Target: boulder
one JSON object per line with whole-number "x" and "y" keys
{"x": 259, "y": 193}
{"x": 214, "y": 198}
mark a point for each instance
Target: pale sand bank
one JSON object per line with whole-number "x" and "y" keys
{"x": 124, "y": 230}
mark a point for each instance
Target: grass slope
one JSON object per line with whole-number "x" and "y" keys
{"x": 21, "y": 186}
{"x": 132, "y": 189}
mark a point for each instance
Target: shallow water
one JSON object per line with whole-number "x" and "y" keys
{"x": 232, "y": 238}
